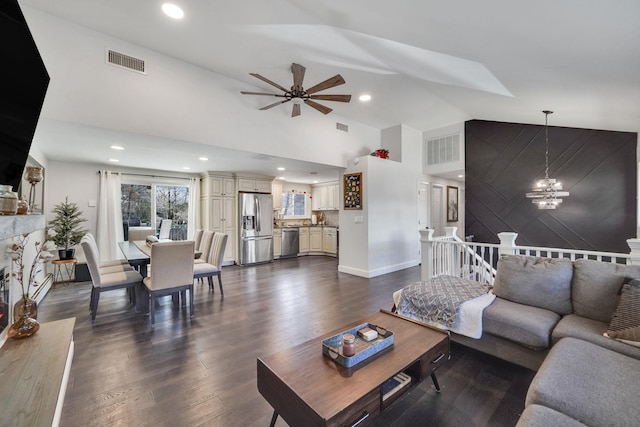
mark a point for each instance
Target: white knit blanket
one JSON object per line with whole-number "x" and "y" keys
{"x": 446, "y": 302}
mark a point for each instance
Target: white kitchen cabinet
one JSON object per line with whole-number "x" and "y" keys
{"x": 325, "y": 197}
{"x": 277, "y": 242}
{"x": 303, "y": 240}
{"x": 257, "y": 185}
{"x": 330, "y": 240}
{"x": 221, "y": 211}
{"x": 276, "y": 191}
{"x": 315, "y": 239}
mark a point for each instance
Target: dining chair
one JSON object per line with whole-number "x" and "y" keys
{"x": 205, "y": 246}
{"x": 213, "y": 263}
{"x": 171, "y": 272}
{"x": 197, "y": 239}
{"x": 111, "y": 266}
{"x": 165, "y": 229}
{"x": 101, "y": 282}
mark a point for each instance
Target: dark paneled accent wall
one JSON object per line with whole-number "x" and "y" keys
{"x": 598, "y": 168}
{"x": 23, "y": 84}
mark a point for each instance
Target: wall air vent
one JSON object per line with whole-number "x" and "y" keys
{"x": 445, "y": 149}
{"x": 342, "y": 127}
{"x": 125, "y": 61}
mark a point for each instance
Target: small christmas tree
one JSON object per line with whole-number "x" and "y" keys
{"x": 65, "y": 230}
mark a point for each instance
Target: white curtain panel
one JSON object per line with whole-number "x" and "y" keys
{"x": 109, "y": 231}
{"x": 194, "y": 208}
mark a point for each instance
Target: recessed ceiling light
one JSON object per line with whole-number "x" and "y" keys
{"x": 281, "y": 177}
{"x": 117, "y": 147}
{"x": 460, "y": 176}
{"x": 114, "y": 160}
{"x": 204, "y": 159}
{"x": 315, "y": 182}
{"x": 186, "y": 168}
{"x": 281, "y": 168}
{"x": 365, "y": 97}
{"x": 172, "y": 11}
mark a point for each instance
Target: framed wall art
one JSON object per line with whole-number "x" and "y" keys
{"x": 452, "y": 204}
{"x": 352, "y": 198}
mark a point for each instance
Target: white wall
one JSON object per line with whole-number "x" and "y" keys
{"x": 387, "y": 239}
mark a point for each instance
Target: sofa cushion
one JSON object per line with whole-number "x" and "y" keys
{"x": 540, "y": 282}
{"x": 595, "y": 287}
{"x": 590, "y": 330}
{"x": 524, "y": 324}
{"x": 537, "y": 415}
{"x": 625, "y": 323}
{"x": 589, "y": 383}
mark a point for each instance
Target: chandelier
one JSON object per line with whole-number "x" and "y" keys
{"x": 547, "y": 192}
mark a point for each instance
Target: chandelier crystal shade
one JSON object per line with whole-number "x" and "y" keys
{"x": 547, "y": 193}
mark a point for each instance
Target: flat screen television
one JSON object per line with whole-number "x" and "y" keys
{"x": 23, "y": 85}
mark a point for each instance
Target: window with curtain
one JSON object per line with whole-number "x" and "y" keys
{"x": 294, "y": 205}
{"x": 146, "y": 204}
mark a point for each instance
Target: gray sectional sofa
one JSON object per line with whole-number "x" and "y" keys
{"x": 550, "y": 315}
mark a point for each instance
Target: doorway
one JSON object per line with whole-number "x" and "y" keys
{"x": 436, "y": 211}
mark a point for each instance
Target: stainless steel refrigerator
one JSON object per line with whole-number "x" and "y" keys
{"x": 256, "y": 228}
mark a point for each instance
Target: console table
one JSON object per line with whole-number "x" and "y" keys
{"x": 34, "y": 373}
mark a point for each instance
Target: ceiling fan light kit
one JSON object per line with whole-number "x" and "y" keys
{"x": 298, "y": 95}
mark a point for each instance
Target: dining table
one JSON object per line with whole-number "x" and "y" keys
{"x": 138, "y": 254}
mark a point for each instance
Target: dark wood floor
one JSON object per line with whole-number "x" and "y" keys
{"x": 202, "y": 371}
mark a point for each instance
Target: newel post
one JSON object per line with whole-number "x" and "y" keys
{"x": 634, "y": 245}
{"x": 426, "y": 249}
{"x": 507, "y": 243}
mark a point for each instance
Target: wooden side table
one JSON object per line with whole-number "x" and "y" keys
{"x": 58, "y": 270}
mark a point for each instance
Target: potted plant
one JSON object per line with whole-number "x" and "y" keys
{"x": 64, "y": 228}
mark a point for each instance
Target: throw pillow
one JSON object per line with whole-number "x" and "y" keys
{"x": 625, "y": 324}
{"x": 596, "y": 286}
{"x": 539, "y": 282}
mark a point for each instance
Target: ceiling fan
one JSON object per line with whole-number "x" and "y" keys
{"x": 298, "y": 94}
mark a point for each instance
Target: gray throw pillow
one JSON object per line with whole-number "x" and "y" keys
{"x": 539, "y": 282}
{"x": 595, "y": 287}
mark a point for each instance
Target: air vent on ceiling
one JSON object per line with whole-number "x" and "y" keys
{"x": 125, "y": 61}
{"x": 342, "y": 127}
{"x": 443, "y": 150}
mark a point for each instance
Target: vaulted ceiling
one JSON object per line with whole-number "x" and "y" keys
{"x": 425, "y": 63}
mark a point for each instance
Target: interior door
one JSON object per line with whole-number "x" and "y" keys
{"x": 437, "y": 210}
{"x": 423, "y": 205}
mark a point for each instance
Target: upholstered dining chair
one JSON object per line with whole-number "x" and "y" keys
{"x": 212, "y": 265}
{"x": 205, "y": 246}
{"x": 165, "y": 229}
{"x": 112, "y": 266}
{"x": 197, "y": 239}
{"x": 107, "y": 281}
{"x": 171, "y": 272}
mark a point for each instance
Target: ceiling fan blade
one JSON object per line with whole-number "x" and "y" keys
{"x": 296, "y": 110}
{"x": 298, "y": 75}
{"x": 266, "y": 80}
{"x": 262, "y": 93}
{"x": 319, "y": 107}
{"x": 336, "y": 80}
{"x": 274, "y": 104}
{"x": 338, "y": 98}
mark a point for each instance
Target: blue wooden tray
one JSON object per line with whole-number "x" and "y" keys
{"x": 332, "y": 347}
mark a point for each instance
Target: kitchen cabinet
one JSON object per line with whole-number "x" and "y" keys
{"x": 219, "y": 186}
{"x": 218, "y": 210}
{"x": 325, "y": 197}
{"x": 303, "y": 240}
{"x": 330, "y": 240}
{"x": 257, "y": 185}
{"x": 277, "y": 242}
{"x": 276, "y": 191}
{"x": 315, "y": 239}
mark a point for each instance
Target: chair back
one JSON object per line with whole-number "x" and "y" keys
{"x": 218, "y": 245}
{"x": 197, "y": 238}
{"x": 165, "y": 229}
{"x": 205, "y": 245}
{"x": 93, "y": 261}
{"x": 171, "y": 264}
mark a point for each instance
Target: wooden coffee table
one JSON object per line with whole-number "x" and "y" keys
{"x": 306, "y": 388}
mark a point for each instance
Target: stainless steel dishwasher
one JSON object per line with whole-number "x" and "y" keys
{"x": 290, "y": 243}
